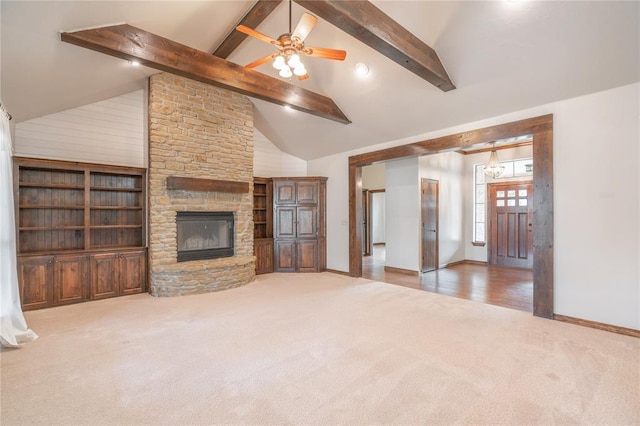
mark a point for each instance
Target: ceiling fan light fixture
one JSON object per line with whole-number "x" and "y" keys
{"x": 285, "y": 72}
{"x": 279, "y": 63}
{"x": 300, "y": 70}
{"x": 294, "y": 61}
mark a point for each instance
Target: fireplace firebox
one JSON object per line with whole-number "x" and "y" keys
{"x": 204, "y": 235}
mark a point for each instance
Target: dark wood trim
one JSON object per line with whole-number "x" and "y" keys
{"x": 370, "y": 25}
{"x": 254, "y": 17}
{"x": 206, "y": 185}
{"x": 475, "y": 262}
{"x": 600, "y": 326}
{"x": 497, "y": 148}
{"x": 335, "y": 271}
{"x": 478, "y": 243}
{"x": 374, "y": 191}
{"x": 541, "y": 129}
{"x": 536, "y": 125}
{"x": 401, "y": 271}
{"x": 131, "y": 43}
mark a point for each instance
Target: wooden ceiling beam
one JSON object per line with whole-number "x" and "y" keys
{"x": 133, "y": 44}
{"x": 254, "y": 17}
{"x": 364, "y": 21}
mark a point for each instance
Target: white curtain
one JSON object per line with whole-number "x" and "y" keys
{"x": 13, "y": 329}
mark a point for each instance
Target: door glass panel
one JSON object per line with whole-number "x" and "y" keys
{"x": 522, "y": 193}
{"x": 511, "y": 193}
{"x": 500, "y": 194}
{"x": 500, "y": 203}
{"x": 511, "y": 203}
{"x": 522, "y": 202}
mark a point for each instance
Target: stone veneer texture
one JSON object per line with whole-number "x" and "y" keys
{"x": 197, "y": 131}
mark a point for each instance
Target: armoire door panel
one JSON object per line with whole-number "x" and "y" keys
{"x": 307, "y": 192}
{"x": 285, "y": 255}
{"x": 307, "y": 253}
{"x": 284, "y": 192}
{"x": 307, "y": 222}
{"x": 285, "y": 218}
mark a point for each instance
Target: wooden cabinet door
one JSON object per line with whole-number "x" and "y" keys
{"x": 307, "y": 192}
{"x": 70, "y": 279}
{"x": 133, "y": 272}
{"x": 263, "y": 251}
{"x": 104, "y": 275}
{"x": 285, "y": 255}
{"x": 307, "y": 256}
{"x": 307, "y": 222}
{"x": 35, "y": 275}
{"x": 284, "y": 192}
{"x": 285, "y": 222}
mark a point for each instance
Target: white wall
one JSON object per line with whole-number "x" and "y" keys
{"x": 373, "y": 177}
{"x": 402, "y": 227}
{"x": 269, "y": 161}
{"x": 107, "y": 132}
{"x": 597, "y": 231}
{"x": 470, "y": 160}
{"x": 378, "y": 217}
{"x": 448, "y": 169}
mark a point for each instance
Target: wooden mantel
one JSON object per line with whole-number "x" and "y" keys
{"x": 211, "y": 185}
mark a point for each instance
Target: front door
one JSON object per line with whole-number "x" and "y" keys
{"x": 510, "y": 224}
{"x": 429, "y": 209}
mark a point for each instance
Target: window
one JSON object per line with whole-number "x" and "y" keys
{"x": 512, "y": 168}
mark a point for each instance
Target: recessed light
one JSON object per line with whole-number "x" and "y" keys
{"x": 362, "y": 69}
{"x": 288, "y": 108}
{"x": 134, "y": 63}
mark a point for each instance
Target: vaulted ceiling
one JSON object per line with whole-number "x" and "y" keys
{"x": 502, "y": 56}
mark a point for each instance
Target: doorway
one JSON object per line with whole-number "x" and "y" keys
{"x": 541, "y": 131}
{"x": 510, "y": 240}
{"x": 429, "y": 210}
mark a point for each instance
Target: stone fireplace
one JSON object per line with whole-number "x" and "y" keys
{"x": 198, "y": 132}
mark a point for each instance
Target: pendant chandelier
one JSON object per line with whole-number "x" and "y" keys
{"x": 493, "y": 168}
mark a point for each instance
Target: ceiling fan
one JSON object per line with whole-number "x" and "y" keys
{"x": 291, "y": 46}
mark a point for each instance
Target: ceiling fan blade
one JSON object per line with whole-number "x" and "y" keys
{"x": 304, "y": 27}
{"x": 260, "y": 61}
{"x": 253, "y": 33}
{"x": 319, "y": 52}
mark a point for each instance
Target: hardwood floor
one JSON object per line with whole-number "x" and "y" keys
{"x": 494, "y": 285}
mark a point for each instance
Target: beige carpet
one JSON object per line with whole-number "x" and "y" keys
{"x": 315, "y": 349}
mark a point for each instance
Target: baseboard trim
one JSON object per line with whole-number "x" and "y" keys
{"x": 476, "y": 262}
{"x": 457, "y": 262}
{"x": 335, "y": 271}
{"x": 600, "y": 326}
{"x": 401, "y": 271}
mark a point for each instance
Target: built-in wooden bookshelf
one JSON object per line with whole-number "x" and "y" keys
{"x": 263, "y": 224}
{"x": 70, "y": 217}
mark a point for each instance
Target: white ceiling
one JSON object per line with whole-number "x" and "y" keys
{"x": 503, "y": 56}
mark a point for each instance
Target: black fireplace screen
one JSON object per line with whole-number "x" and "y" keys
{"x": 204, "y": 235}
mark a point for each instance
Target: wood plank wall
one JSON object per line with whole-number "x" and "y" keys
{"x": 269, "y": 161}
{"x": 108, "y": 132}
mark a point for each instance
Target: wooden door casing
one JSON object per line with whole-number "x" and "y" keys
{"x": 429, "y": 192}
{"x": 510, "y": 241}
